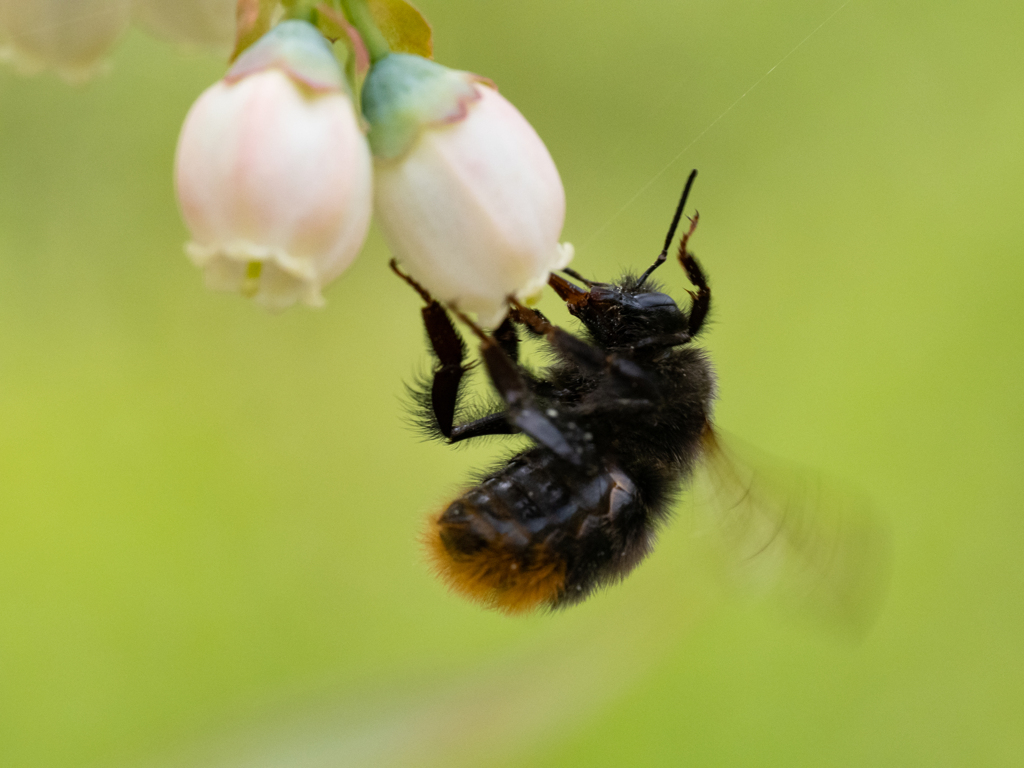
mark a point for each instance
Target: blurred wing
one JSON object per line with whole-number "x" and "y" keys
{"x": 791, "y": 532}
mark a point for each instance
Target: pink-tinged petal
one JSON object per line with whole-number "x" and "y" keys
{"x": 275, "y": 185}
{"x": 474, "y": 209}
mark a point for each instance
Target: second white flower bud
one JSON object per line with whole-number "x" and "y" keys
{"x": 467, "y": 195}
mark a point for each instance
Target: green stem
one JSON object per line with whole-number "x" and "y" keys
{"x": 295, "y": 9}
{"x": 358, "y": 13}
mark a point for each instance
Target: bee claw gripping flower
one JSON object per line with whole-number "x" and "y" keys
{"x": 273, "y": 173}
{"x": 466, "y": 194}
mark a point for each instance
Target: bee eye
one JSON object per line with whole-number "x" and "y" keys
{"x": 655, "y": 301}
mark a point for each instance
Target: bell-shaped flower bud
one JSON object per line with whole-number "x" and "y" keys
{"x": 466, "y": 194}
{"x": 71, "y": 37}
{"x": 273, "y": 173}
{"x": 201, "y": 23}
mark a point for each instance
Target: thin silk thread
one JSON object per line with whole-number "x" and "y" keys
{"x": 711, "y": 125}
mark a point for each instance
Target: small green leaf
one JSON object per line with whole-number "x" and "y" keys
{"x": 403, "y": 26}
{"x": 254, "y": 18}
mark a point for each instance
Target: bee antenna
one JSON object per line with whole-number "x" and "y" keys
{"x": 672, "y": 229}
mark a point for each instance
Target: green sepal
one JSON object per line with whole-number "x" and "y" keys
{"x": 297, "y": 48}
{"x": 405, "y": 93}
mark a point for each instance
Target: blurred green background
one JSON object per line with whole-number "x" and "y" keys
{"x": 208, "y": 515}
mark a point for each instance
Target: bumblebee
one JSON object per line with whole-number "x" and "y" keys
{"x": 617, "y": 424}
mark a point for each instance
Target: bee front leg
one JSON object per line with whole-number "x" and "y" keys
{"x": 702, "y": 296}
{"x": 628, "y": 379}
{"x": 586, "y": 356}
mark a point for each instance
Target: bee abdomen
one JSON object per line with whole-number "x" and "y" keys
{"x": 531, "y": 535}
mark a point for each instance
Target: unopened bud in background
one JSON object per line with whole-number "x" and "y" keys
{"x": 206, "y": 24}
{"x": 273, "y": 172}
{"x": 71, "y": 37}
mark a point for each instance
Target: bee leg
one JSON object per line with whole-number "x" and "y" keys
{"x": 587, "y": 356}
{"x": 492, "y": 424}
{"x": 508, "y": 338}
{"x": 664, "y": 340}
{"x": 702, "y": 297}
{"x": 449, "y": 349}
{"x": 497, "y": 423}
{"x": 524, "y": 413}
{"x": 514, "y": 320}
{"x": 629, "y": 379}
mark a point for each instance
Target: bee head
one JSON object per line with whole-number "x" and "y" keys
{"x": 622, "y": 314}
{"x": 633, "y": 312}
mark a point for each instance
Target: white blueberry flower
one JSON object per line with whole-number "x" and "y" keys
{"x": 70, "y": 37}
{"x": 466, "y": 194}
{"x": 273, "y": 173}
{"x": 203, "y": 23}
